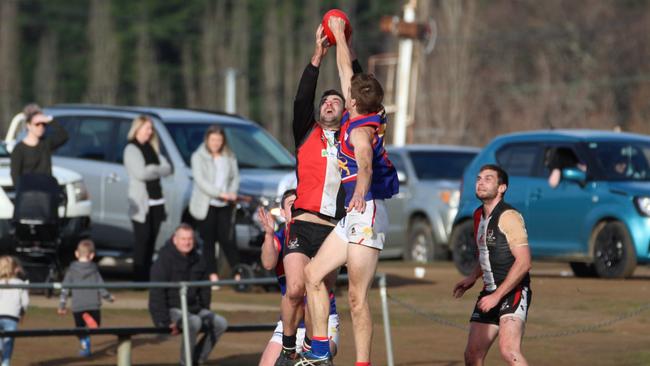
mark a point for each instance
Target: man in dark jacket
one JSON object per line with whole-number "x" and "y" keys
{"x": 178, "y": 261}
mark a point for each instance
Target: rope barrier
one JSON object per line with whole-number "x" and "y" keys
{"x": 564, "y": 333}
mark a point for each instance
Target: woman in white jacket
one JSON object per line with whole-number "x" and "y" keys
{"x": 216, "y": 181}
{"x": 13, "y": 302}
{"x": 145, "y": 165}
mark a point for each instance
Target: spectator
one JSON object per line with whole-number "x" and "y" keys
{"x": 179, "y": 261}
{"x": 85, "y": 302}
{"x": 558, "y": 159}
{"x": 216, "y": 181}
{"x": 13, "y": 302}
{"x": 145, "y": 166}
{"x": 34, "y": 153}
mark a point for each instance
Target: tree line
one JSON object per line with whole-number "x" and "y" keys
{"x": 497, "y": 67}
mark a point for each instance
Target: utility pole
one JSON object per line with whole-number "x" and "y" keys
{"x": 407, "y": 30}
{"x": 231, "y": 90}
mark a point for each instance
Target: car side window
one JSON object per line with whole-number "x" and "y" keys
{"x": 398, "y": 162}
{"x": 94, "y": 139}
{"x": 519, "y": 159}
{"x": 121, "y": 140}
{"x": 70, "y": 124}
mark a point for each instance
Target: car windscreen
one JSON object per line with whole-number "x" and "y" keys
{"x": 433, "y": 165}
{"x": 253, "y": 147}
{"x": 623, "y": 160}
{"x": 3, "y": 151}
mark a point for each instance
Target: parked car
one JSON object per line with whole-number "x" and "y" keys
{"x": 422, "y": 213}
{"x": 97, "y": 140}
{"x": 597, "y": 220}
{"x": 77, "y": 210}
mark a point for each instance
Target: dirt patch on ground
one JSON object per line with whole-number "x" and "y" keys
{"x": 571, "y": 322}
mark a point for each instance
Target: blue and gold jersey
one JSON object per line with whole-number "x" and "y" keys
{"x": 384, "y": 182}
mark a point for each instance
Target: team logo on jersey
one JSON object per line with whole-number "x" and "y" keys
{"x": 343, "y": 166}
{"x": 293, "y": 243}
{"x": 490, "y": 238}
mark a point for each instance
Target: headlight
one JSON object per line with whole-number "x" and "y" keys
{"x": 80, "y": 191}
{"x": 643, "y": 205}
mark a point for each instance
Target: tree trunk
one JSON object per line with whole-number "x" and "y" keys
{"x": 239, "y": 48}
{"x": 9, "y": 69}
{"x": 271, "y": 71}
{"x": 103, "y": 84}
{"x": 45, "y": 80}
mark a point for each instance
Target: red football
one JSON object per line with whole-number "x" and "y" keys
{"x": 326, "y": 28}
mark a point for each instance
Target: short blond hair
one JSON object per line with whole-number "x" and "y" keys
{"x": 85, "y": 248}
{"x": 9, "y": 267}
{"x": 137, "y": 123}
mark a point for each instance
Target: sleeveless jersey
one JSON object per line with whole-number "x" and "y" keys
{"x": 495, "y": 256}
{"x": 384, "y": 182}
{"x": 319, "y": 181}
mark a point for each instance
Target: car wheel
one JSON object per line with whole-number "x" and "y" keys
{"x": 464, "y": 251}
{"x": 614, "y": 254}
{"x": 245, "y": 272}
{"x": 581, "y": 269}
{"x": 420, "y": 246}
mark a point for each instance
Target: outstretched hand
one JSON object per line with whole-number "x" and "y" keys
{"x": 337, "y": 26}
{"x": 267, "y": 220}
{"x": 322, "y": 46}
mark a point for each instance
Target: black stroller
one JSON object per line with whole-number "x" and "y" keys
{"x": 37, "y": 225}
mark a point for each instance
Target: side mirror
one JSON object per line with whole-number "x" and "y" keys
{"x": 401, "y": 177}
{"x": 574, "y": 175}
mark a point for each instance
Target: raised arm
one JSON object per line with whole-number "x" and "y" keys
{"x": 361, "y": 139}
{"x": 343, "y": 55}
{"x": 271, "y": 245}
{"x": 303, "y": 104}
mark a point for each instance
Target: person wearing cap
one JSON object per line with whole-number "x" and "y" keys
{"x": 319, "y": 195}
{"x": 34, "y": 153}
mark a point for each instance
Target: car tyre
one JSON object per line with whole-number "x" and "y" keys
{"x": 614, "y": 254}
{"x": 464, "y": 251}
{"x": 421, "y": 246}
{"x": 245, "y": 272}
{"x": 581, "y": 269}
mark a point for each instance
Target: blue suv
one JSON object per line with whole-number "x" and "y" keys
{"x": 597, "y": 218}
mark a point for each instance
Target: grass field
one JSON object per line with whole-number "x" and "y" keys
{"x": 571, "y": 322}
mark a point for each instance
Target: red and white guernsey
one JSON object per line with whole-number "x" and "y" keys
{"x": 319, "y": 188}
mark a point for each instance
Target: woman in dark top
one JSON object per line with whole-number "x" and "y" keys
{"x": 34, "y": 153}
{"x": 145, "y": 166}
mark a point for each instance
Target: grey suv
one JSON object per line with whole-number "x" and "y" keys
{"x": 422, "y": 213}
{"x": 97, "y": 140}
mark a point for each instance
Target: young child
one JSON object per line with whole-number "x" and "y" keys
{"x": 85, "y": 302}
{"x": 13, "y": 302}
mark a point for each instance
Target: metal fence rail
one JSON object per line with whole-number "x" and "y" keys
{"x": 183, "y": 287}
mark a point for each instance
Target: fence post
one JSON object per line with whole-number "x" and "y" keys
{"x": 186, "y": 325}
{"x": 124, "y": 351}
{"x": 384, "y": 310}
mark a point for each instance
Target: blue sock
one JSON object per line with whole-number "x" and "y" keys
{"x": 320, "y": 346}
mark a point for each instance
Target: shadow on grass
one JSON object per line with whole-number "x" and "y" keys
{"x": 105, "y": 349}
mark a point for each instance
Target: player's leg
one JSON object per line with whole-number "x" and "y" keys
{"x": 273, "y": 348}
{"x": 362, "y": 263}
{"x": 293, "y": 301}
{"x": 331, "y": 255}
{"x": 511, "y": 331}
{"x": 481, "y": 336}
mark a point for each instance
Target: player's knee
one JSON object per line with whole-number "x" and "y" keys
{"x": 473, "y": 355}
{"x": 357, "y": 301}
{"x": 295, "y": 294}
{"x": 312, "y": 279}
{"x": 510, "y": 354}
